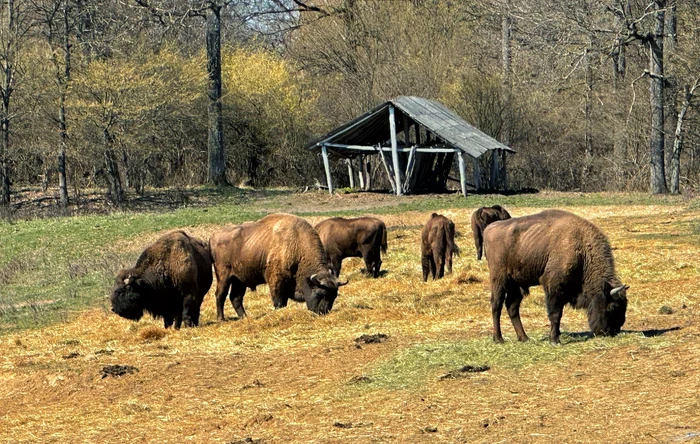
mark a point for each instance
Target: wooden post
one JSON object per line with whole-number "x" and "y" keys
{"x": 462, "y": 173}
{"x": 406, "y": 130}
{"x": 493, "y": 182}
{"x": 351, "y": 173}
{"x": 477, "y": 174}
{"x": 361, "y": 171}
{"x": 388, "y": 170}
{"x": 326, "y": 165}
{"x": 394, "y": 150}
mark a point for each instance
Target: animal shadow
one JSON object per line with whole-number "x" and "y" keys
{"x": 586, "y": 335}
{"x": 382, "y": 273}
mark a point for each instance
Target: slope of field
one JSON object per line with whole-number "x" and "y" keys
{"x": 291, "y": 376}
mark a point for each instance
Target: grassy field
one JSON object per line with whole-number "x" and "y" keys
{"x": 291, "y": 376}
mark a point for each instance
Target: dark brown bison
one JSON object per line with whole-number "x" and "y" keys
{"x": 169, "y": 281}
{"x": 281, "y": 250}
{"x": 361, "y": 237}
{"x": 572, "y": 260}
{"x": 480, "y": 219}
{"x": 438, "y": 246}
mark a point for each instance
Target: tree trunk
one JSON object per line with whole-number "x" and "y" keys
{"x": 114, "y": 182}
{"x": 656, "y": 97}
{"x": 678, "y": 139}
{"x": 7, "y": 88}
{"x": 217, "y": 162}
{"x": 671, "y": 25}
{"x": 506, "y": 53}
{"x": 63, "y": 127}
{"x": 588, "y": 108}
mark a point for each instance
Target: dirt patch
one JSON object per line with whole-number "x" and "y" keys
{"x": 464, "y": 371}
{"x": 377, "y": 338}
{"x": 116, "y": 370}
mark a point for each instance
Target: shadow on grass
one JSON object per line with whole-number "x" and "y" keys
{"x": 586, "y": 335}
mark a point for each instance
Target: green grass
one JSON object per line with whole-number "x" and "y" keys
{"x": 414, "y": 366}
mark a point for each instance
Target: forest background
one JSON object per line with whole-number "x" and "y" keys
{"x": 125, "y": 95}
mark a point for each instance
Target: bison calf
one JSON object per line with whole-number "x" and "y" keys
{"x": 361, "y": 237}
{"x": 169, "y": 281}
{"x": 480, "y": 219}
{"x": 437, "y": 246}
{"x": 572, "y": 260}
{"x": 281, "y": 250}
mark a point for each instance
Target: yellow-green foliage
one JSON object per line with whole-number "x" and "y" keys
{"x": 261, "y": 82}
{"x": 131, "y": 89}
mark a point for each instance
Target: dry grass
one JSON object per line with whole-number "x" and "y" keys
{"x": 291, "y": 376}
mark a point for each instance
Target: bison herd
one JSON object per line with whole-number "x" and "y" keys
{"x": 569, "y": 256}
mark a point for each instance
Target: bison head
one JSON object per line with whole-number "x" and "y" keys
{"x": 607, "y": 317}
{"x": 128, "y": 295}
{"x": 323, "y": 289}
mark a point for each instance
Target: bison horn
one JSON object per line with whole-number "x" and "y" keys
{"x": 314, "y": 279}
{"x": 340, "y": 284}
{"x": 616, "y": 290}
{"x": 127, "y": 281}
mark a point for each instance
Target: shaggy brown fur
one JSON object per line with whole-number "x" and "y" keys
{"x": 437, "y": 246}
{"x": 481, "y": 218}
{"x": 281, "y": 250}
{"x": 361, "y": 237}
{"x": 169, "y": 280}
{"x": 572, "y": 260}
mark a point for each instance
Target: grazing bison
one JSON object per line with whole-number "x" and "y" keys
{"x": 572, "y": 260}
{"x": 169, "y": 281}
{"x": 438, "y": 246}
{"x": 281, "y": 250}
{"x": 361, "y": 237}
{"x": 480, "y": 219}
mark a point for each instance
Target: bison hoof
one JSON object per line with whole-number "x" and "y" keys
{"x": 524, "y": 339}
{"x": 498, "y": 339}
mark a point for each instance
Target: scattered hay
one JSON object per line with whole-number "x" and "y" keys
{"x": 117, "y": 370}
{"x": 246, "y": 440}
{"x": 258, "y": 419}
{"x": 464, "y": 371}
{"x": 256, "y": 383}
{"x": 377, "y": 338}
{"x": 152, "y": 333}
{"x": 360, "y": 380}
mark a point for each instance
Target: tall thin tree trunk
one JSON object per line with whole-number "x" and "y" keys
{"x": 656, "y": 97}
{"x": 678, "y": 138}
{"x": 7, "y": 86}
{"x": 588, "y": 111}
{"x": 62, "y": 179}
{"x": 217, "y": 162}
{"x": 671, "y": 25}
{"x": 116, "y": 191}
{"x": 506, "y": 53}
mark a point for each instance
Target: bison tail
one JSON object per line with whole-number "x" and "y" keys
{"x": 384, "y": 244}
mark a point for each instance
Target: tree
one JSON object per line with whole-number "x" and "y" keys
{"x": 15, "y": 24}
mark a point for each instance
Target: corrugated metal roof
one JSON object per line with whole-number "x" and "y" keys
{"x": 372, "y": 128}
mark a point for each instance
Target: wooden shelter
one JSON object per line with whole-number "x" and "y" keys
{"x": 431, "y": 136}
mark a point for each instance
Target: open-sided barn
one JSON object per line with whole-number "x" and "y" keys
{"x": 417, "y": 141}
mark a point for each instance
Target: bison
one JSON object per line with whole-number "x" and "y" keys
{"x": 169, "y": 281}
{"x": 569, "y": 256}
{"x": 438, "y": 246}
{"x": 361, "y": 237}
{"x": 480, "y": 219}
{"x": 281, "y": 250}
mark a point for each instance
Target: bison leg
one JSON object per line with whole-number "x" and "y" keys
{"x": 498, "y": 296}
{"x": 191, "y": 306}
{"x": 426, "y": 263}
{"x": 222, "y": 286}
{"x": 281, "y": 289}
{"x": 439, "y": 258}
{"x": 513, "y": 298}
{"x": 478, "y": 240}
{"x": 167, "y": 321}
{"x": 554, "y": 312}
{"x": 236, "y": 297}
{"x": 449, "y": 262}
{"x": 178, "y": 321}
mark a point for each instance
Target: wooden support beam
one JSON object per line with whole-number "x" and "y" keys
{"x": 388, "y": 172}
{"x": 477, "y": 174}
{"x": 394, "y": 150}
{"x": 361, "y": 171}
{"x": 493, "y": 182}
{"x": 351, "y": 173}
{"x": 406, "y": 131}
{"x": 462, "y": 173}
{"x": 327, "y": 166}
